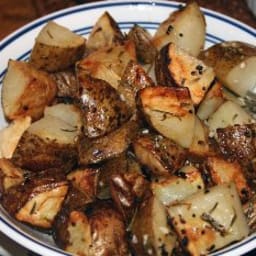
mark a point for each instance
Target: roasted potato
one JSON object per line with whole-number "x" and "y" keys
{"x": 134, "y": 78}
{"x": 237, "y": 142}
{"x": 212, "y": 100}
{"x": 100, "y": 230}
{"x": 209, "y": 220}
{"x": 223, "y": 171}
{"x": 108, "y": 63}
{"x": 177, "y": 187}
{"x": 56, "y": 48}
{"x": 234, "y": 64}
{"x": 150, "y": 232}
{"x": 175, "y": 67}
{"x": 167, "y": 108}
{"x": 92, "y": 151}
{"x": 145, "y": 49}
{"x": 10, "y": 136}
{"x": 185, "y": 27}
{"x": 227, "y": 114}
{"x": 38, "y": 200}
{"x": 160, "y": 155}
{"x": 26, "y": 91}
{"x": 102, "y": 108}
{"x": 49, "y": 142}
{"x": 104, "y": 33}
{"x": 67, "y": 86}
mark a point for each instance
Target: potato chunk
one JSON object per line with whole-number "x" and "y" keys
{"x": 234, "y": 63}
{"x": 26, "y": 91}
{"x": 160, "y": 155}
{"x": 56, "y": 48}
{"x": 150, "y": 233}
{"x": 223, "y": 171}
{"x": 210, "y": 220}
{"x": 185, "y": 27}
{"x": 170, "y": 111}
{"x": 174, "y": 66}
{"x": 102, "y": 107}
{"x": 104, "y": 33}
{"x": 176, "y": 188}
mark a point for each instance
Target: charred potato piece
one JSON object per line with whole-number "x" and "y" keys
{"x": 167, "y": 108}
{"x": 237, "y": 142}
{"x": 99, "y": 230}
{"x": 208, "y": 221}
{"x": 176, "y": 188}
{"x": 56, "y": 48}
{"x": 104, "y": 33}
{"x": 37, "y": 201}
{"x": 185, "y": 27}
{"x": 223, "y": 171}
{"x": 103, "y": 109}
{"x": 227, "y": 114}
{"x": 66, "y": 83}
{"x": 92, "y": 151}
{"x": 160, "y": 155}
{"x": 174, "y": 66}
{"x": 113, "y": 58}
{"x": 145, "y": 49}
{"x": 85, "y": 180}
{"x": 234, "y": 64}
{"x": 212, "y": 100}
{"x": 150, "y": 233}
{"x": 134, "y": 78}
{"x": 26, "y": 91}
{"x": 10, "y": 136}
{"x": 10, "y": 175}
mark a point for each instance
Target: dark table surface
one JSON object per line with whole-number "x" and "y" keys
{"x": 16, "y": 13}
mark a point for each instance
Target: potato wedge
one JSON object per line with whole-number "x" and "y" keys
{"x": 174, "y": 66}
{"x": 223, "y": 171}
{"x": 234, "y": 64}
{"x": 114, "y": 58}
{"x": 160, "y": 155}
{"x": 103, "y": 109}
{"x": 26, "y": 91}
{"x": 37, "y": 201}
{"x": 185, "y": 27}
{"x": 104, "y": 33}
{"x": 150, "y": 232}
{"x": 145, "y": 49}
{"x": 208, "y": 221}
{"x": 176, "y": 188}
{"x": 212, "y": 100}
{"x": 228, "y": 113}
{"x": 56, "y": 48}
{"x": 167, "y": 108}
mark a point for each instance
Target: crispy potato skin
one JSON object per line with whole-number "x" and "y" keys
{"x": 103, "y": 109}
{"x": 93, "y": 151}
{"x": 36, "y": 154}
{"x": 38, "y": 91}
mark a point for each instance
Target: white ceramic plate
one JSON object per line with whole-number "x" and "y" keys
{"x": 81, "y": 19}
